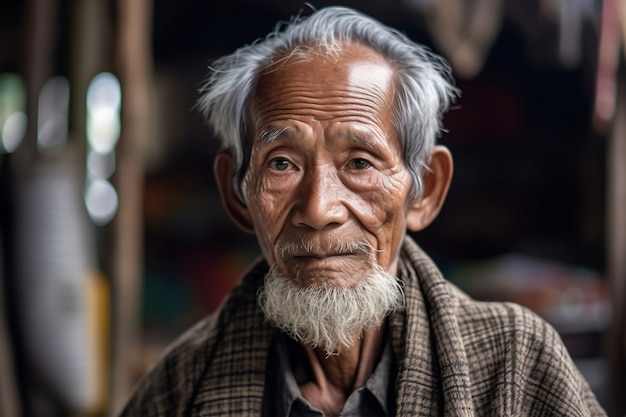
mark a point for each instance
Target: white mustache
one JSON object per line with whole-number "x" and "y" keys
{"x": 303, "y": 247}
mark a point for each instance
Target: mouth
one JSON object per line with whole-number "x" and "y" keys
{"x": 327, "y": 261}
{"x": 304, "y": 257}
{"x": 321, "y": 257}
{"x": 341, "y": 261}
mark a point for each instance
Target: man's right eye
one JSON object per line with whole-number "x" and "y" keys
{"x": 280, "y": 164}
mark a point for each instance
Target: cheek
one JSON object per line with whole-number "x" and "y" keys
{"x": 385, "y": 206}
{"x": 267, "y": 210}
{"x": 387, "y": 217}
{"x": 258, "y": 196}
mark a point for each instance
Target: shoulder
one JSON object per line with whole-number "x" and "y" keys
{"x": 511, "y": 349}
{"x": 163, "y": 389}
{"x": 509, "y": 321}
{"x": 504, "y": 328}
{"x": 169, "y": 388}
{"x": 516, "y": 361}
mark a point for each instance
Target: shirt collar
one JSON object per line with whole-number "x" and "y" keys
{"x": 380, "y": 384}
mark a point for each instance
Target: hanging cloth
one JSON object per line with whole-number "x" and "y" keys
{"x": 465, "y": 30}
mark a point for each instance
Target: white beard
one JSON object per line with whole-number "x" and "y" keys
{"x": 323, "y": 315}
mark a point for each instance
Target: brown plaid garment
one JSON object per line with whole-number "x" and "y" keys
{"x": 456, "y": 357}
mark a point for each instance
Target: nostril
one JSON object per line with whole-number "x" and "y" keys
{"x": 320, "y": 201}
{"x": 320, "y": 217}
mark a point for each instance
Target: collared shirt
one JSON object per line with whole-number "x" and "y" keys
{"x": 283, "y": 397}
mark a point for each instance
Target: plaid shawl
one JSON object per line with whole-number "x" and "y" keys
{"x": 456, "y": 357}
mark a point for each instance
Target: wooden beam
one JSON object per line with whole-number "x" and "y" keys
{"x": 134, "y": 67}
{"x": 616, "y": 250}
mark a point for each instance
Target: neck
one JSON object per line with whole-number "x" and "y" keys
{"x": 335, "y": 377}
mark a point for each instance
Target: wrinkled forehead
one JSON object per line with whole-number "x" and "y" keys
{"x": 321, "y": 68}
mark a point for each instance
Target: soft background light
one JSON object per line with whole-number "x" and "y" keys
{"x": 103, "y": 112}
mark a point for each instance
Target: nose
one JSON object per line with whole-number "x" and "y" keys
{"x": 321, "y": 201}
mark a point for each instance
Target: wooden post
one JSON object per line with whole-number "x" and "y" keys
{"x": 36, "y": 65}
{"x": 9, "y": 400}
{"x": 616, "y": 250}
{"x": 134, "y": 58}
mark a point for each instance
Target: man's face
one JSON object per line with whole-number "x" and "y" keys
{"x": 326, "y": 168}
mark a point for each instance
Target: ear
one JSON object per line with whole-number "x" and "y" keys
{"x": 237, "y": 209}
{"x": 436, "y": 183}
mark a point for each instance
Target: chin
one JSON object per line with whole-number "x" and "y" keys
{"x": 329, "y": 311}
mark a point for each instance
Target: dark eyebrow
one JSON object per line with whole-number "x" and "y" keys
{"x": 270, "y": 135}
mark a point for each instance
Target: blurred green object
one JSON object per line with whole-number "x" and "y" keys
{"x": 12, "y": 116}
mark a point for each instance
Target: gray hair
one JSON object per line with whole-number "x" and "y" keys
{"x": 423, "y": 85}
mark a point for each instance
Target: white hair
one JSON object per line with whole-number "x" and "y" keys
{"x": 423, "y": 86}
{"x": 328, "y": 316}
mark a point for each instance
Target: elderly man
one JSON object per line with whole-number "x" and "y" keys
{"x": 329, "y": 156}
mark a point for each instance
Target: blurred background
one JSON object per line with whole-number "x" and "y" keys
{"x": 113, "y": 239}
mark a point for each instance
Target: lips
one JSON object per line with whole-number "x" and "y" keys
{"x": 323, "y": 259}
{"x": 322, "y": 255}
{"x": 310, "y": 265}
{"x": 330, "y": 259}
{"x": 317, "y": 257}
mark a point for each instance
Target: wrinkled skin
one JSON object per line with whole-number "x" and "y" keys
{"x": 326, "y": 169}
{"x": 326, "y": 166}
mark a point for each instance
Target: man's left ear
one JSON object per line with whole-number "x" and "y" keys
{"x": 436, "y": 183}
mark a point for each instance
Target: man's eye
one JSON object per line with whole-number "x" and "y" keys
{"x": 360, "y": 163}
{"x": 280, "y": 164}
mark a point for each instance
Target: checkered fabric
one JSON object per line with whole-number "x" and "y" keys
{"x": 456, "y": 357}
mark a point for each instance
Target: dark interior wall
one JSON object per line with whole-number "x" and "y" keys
{"x": 529, "y": 166}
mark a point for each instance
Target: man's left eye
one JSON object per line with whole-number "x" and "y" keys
{"x": 280, "y": 164}
{"x": 360, "y": 163}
